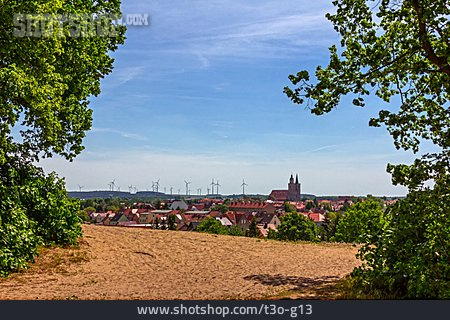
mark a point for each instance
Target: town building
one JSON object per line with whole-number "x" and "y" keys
{"x": 251, "y": 206}
{"x": 293, "y": 193}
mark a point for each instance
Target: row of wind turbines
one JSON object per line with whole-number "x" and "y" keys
{"x": 155, "y": 187}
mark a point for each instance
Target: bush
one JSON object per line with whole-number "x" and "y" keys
{"x": 362, "y": 221}
{"x": 83, "y": 216}
{"x": 55, "y": 213}
{"x": 296, "y": 227}
{"x": 236, "y": 231}
{"x": 18, "y": 242}
{"x": 34, "y": 210}
{"x": 171, "y": 223}
{"x": 410, "y": 258}
{"x": 327, "y": 231}
{"x": 272, "y": 234}
{"x": 252, "y": 231}
{"x": 211, "y": 225}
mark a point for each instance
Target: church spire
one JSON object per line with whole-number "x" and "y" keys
{"x": 296, "y": 178}
{"x": 291, "y": 180}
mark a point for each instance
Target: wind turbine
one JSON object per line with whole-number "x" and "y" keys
{"x": 80, "y": 187}
{"x": 112, "y": 184}
{"x": 218, "y": 185}
{"x": 155, "y": 185}
{"x": 243, "y": 187}
{"x": 199, "y": 191}
{"x": 130, "y": 188}
{"x": 212, "y": 186}
{"x": 187, "y": 187}
{"x": 171, "y": 190}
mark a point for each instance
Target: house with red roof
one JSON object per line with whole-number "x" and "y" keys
{"x": 317, "y": 217}
{"x": 252, "y": 206}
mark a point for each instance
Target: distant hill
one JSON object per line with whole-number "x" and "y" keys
{"x": 115, "y": 194}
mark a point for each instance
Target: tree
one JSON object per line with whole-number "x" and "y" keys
{"x": 171, "y": 223}
{"x": 157, "y": 204}
{"x": 327, "y": 206}
{"x": 415, "y": 243}
{"x": 295, "y": 227}
{"x": 235, "y": 231}
{"x": 112, "y": 208}
{"x": 46, "y": 83}
{"x": 211, "y": 225}
{"x": 89, "y": 210}
{"x": 399, "y": 50}
{"x": 272, "y": 234}
{"x": 345, "y": 206}
{"x": 309, "y": 205}
{"x": 400, "y": 53}
{"x": 222, "y": 208}
{"x": 289, "y": 207}
{"x": 83, "y": 215}
{"x": 361, "y": 222}
{"x": 316, "y": 203}
{"x": 328, "y": 230}
{"x": 156, "y": 224}
{"x": 34, "y": 210}
{"x": 252, "y": 231}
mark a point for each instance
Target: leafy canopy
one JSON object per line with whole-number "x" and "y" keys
{"x": 295, "y": 227}
{"x": 398, "y": 50}
{"x": 211, "y": 225}
{"x": 411, "y": 258}
{"x": 361, "y": 222}
{"x": 34, "y": 210}
{"x": 47, "y": 81}
{"x": 45, "y": 86}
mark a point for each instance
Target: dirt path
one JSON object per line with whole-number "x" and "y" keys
{"x": 123, "y": 263}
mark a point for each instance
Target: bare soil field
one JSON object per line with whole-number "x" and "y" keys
{"x": 141, "y": 264}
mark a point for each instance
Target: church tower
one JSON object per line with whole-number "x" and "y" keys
{"x": 294, "y": 189}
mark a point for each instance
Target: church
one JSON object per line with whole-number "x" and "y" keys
{"x": 291, "y": 194}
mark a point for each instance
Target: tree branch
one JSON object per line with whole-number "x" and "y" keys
{"x": 441, "y": 62}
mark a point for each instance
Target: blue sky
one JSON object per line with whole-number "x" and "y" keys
{"x": 198, "y": 94}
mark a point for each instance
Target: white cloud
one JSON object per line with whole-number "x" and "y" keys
{"x": 128, "y": 135}
{"x": 126, "y": 74}
{"x": 223, "y": 29}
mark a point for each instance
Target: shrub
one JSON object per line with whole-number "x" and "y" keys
{"x": 34, "y": 210}
{"x": 18, "y": 242}
{"x": 252, "y": 230}
{"x": 235, "y": 231}
{"x": 296, "y": 227}
{"x": 171, "y": 222}
{"x": 327, "y": 231}
{"x": 410, "y": 258}
{"x": 211, "y": 225}
{"x": 362, "y": 221}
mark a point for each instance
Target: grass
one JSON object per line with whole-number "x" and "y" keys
{"x": 57, "y": 259}
{"x": 332, "y": 290}
{"x": 341, "y": 289}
